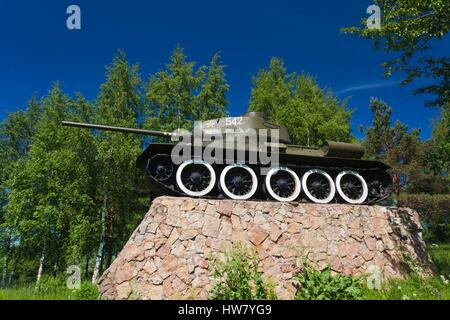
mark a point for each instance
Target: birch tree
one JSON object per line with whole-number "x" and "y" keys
{"x": 184, "y": 93}
{"x": 119, "y": 104}
{"x": 16, "y": 134}
{"x": 51, "y": 188}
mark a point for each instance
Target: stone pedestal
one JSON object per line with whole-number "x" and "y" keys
{"x": 167, "y": 255}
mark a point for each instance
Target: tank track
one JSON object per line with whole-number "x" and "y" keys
{"x": 378, "y": 180}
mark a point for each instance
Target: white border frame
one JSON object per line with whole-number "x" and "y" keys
{"x": 360, "y": 178}
{"x": 309, "y": 195}
{"x": 196, "y": 193}
{"x": 297, "y": 190}
{"x": 228, "y": 192}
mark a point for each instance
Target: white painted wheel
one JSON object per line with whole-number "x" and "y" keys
{"x": 245, "y": 184}
{"x": 364, "y": 189}
{"x": 195, "y": 186}
{"x": 309, "y": 193}
{"x": 276, "y": 192}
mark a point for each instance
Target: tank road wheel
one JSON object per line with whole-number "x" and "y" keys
{"x": 160, "y": 168}
{"x": 195, "y": 178}
{"x": 238, "y": 181}
{"x": 318, "y": 186}
{"x": 283, "y": 184}
{"x": 352, "y": 187}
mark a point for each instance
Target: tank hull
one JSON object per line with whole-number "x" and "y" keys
{"x": 374, "y": 172}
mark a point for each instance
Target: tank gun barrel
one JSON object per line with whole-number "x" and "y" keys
{"x": 118, "y": 129}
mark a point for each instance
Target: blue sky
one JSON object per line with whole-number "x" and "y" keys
{"x": 37, "y": 48}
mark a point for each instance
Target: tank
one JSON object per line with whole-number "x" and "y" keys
{"x": 250, "y": 158}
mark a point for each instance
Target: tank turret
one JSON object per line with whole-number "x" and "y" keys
{"x": 333, "y": 173}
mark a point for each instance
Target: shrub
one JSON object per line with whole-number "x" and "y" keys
{"x": 48, "y": 284}
{"x": 238, "y": 278}
{"x": 434, "y": 211}
{"x": 322, "y": 285}
{"x": 87, "y": 291}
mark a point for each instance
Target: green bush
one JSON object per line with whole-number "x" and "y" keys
{"x": 56, "y": 286}
{"x": 238, "y": 278}
{"x": 434, "y": 211}
{"x": 322, "y": 285}
{"x": 48, "y": 284}
{"x": 87, "y": 291}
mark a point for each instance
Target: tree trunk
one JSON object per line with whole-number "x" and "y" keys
{"x": 41, "y": 264}
{"x": 109, "y": 253}
{"x": 86, "y": 268}
{"x": 5, "y": 270}
{"x": 397, "y": 188}
{"x": 55, "y": 266}
{"x": 101, "y": 247}
{"x": 13, "y": 270}
{"x": 307, "y": 137}
{"x": 6, "y": 263}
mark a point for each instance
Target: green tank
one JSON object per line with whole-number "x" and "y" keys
{"x": 250, "y": 158}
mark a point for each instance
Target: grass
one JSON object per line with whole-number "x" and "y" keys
{"x": 441, "y": 257}
{"x": 416, "y": 288}
{"x": 29, "y": 293}
{"x": 51, "y": 290}
{"x": 412, "y": 288}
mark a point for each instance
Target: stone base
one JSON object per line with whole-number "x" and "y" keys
{"x": 167, "y": 255}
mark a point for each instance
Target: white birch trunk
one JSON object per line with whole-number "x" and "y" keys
{"x": 41, "y": 265}
{"x": 5, "y": 265}
{"x": 5, "y": 270}
{"x": 101, "y": 247}
{"x": 13, "y": 270}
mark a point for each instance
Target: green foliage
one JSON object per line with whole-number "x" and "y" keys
{"x": 53, "y": 187}
{"x": 29, "y": 293}
{"x": 431, "y": 172}
{"x": 48, "y": 284}
{"x": 310, "y": 113}
{"x": 413, "y": 165}
{"x": 119, "y": 103}
{"x": 87, "y": 291}
{"x": 55, "y": 181}
{"x": 17, "y": 131}
{"x": 438, "y": 156}
{"x": 434, "y": 211}
{"x": 408, "y": 28}
{"x": 16, "y": 137}
{"x": 182, "y": 94}
{"x": 440, "y": 254}
{"x": 391, "y": 143}
{"x": 322, "y": 285}
{"x": 238, "y": 277}
{"x": 415, "y": 287}
{"x": 411, "y": 288}
{"x": 51, "y": 288}
{"x": 418, "y": 168}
